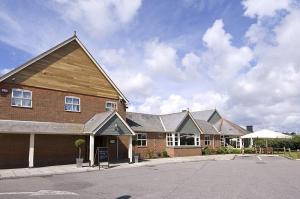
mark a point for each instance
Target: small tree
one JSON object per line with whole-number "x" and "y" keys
{"x": 79, "y": 143}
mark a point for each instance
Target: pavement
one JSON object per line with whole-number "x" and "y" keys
{"x": 245, "y": 177}
{"x": 64, "y": 169}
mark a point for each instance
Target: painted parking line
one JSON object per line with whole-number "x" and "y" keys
{"x": 259, "y": 158}
{"x": 41, "y": 193}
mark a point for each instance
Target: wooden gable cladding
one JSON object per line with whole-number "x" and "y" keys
{"x": 68, "y": 69}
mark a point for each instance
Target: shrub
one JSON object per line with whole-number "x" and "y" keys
{"x": 164, "y": 154}
{"x": 293, "y": 143}
{"x": 207, "y": 151}
{"x": 229, "y": 149}
{"x": 236, "y": 151}
{"x": 78, "y": 144}
{"x": 222, "y": 150}
{"x": 249, "y": 150}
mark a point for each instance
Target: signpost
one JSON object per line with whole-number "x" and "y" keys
{"x": 102, "y": 156}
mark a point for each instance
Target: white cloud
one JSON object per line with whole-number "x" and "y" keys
{"x": 161, "y": 59}
{"x": 222, "y": 60}
{"x": 262, "y": 8}
{"x": 98, "y": 18}
{"x": 4, "y": 71}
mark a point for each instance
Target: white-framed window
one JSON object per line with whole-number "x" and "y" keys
{"x": 187, "y": 139}
{"x": 141, "y": 139}
{"x": 197, "y": 139}
{"x": 169, "y": 139}
{"x": 222, "y": 140}
{"x": 207, "y": 140}
{"x": 21, "y": 98}
{"x": 110, "y": 106}
{"x": 176, "y": 139}
{"x": 72, "y": 104}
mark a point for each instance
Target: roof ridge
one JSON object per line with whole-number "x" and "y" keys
{"x": 162, "y": 123}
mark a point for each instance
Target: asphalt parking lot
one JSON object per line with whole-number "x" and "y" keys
{"x": 243, "y": 177}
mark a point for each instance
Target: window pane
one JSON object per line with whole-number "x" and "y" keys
{"x": 76, "y": 108}
{"x": 143, "y": 142}
{"x": 26, "y": 102}
{"x": 69, "y": 100}
{"x": 187, "y": 139}
{"x": 68, "y": 107}
{"x": 17, "y": 93}
{"x": 75, "y": 101}
{"x": 27, "y": 95}
{"x": 16, "y": 102}
{"x": 139, "y": 142}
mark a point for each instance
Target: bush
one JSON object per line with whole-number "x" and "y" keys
{"x": 236, "y": 151}
{"x": 222, "y": 150}
{"x": 293, "y": 143}
{"x": 229, "y": 149}
{"x": 249, "y": 150}
{"x": 164, "y": 154}
{"x": 209, "y": 151}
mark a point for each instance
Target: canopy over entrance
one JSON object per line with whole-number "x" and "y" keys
{"x": 266, "y": 134}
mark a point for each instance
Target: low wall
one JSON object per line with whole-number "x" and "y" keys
{"x": 182, "y": 151}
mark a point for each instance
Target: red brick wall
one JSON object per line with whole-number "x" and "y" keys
{"x": 184, "y": 151}
{"x": 156, "y": 144}
{"x": 214, "y": 144}
{"x": 48, "y": 106}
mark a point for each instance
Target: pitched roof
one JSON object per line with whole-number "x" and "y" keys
{"x": 207, "y": 128}
{"x": 97, "y": 120}
{"x": 157, "y": 123}
{"x": 203, "y": 115}
{"x": 229, "y": 128}
{"x": 172, "y": 121}
{"x": 144, "y": 122}
{"x": 73, "y": 38}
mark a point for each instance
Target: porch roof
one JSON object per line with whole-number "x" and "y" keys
{"x": 16, "y": 126}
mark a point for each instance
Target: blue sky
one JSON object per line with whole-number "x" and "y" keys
{"x": 237, "y": 56}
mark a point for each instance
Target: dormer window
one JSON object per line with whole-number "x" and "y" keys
{"x": 72, "y": 104}
{"x": 110, "y": 106}
{"x": 21, "y": 98}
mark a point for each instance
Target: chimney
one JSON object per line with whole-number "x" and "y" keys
{"x": 249, "y": 128}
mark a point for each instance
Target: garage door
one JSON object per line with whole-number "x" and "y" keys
{"x": 14, "y": 149}
{"x": 55, "y": 150}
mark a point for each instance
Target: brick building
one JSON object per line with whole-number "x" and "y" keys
{"x": 54, "y": 99}
{"x": 64, "y": 94}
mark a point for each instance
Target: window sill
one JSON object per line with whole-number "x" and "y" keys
{"x": 73, "y": 111}
{"x": 26, "y": 107}
{"x": 178, "y": 147}
{"x": 141, "y": 146}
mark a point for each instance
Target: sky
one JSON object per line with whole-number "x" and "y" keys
{"x": 240, "y": 57}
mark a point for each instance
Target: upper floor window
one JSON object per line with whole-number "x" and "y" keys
{"x": 21, "y": 98}
{"x": 72, "y": 104}
{"x": 141, "y": 139}
{"x": 110, "y": 106}
{"x": 207, "y": 140}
